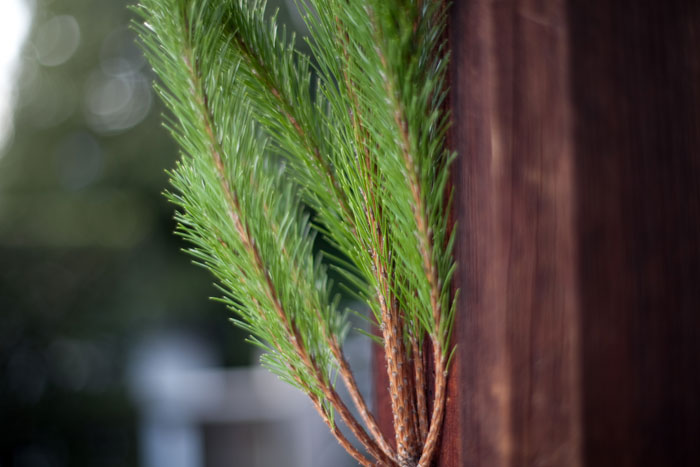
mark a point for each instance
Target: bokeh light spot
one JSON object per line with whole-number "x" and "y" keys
{"x": 116, "y": 103}
{"x": 57, "y": 40}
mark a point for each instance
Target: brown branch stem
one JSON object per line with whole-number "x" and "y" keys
{"x": 438, "y": 410}
{"x": 342, "y": 440}
{"x": 360, "y": 404}
{"x": 420, "y": 384}
{"x": 339, "y": 435}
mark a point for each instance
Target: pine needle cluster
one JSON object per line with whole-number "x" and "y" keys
{"x": 359, "y": 126}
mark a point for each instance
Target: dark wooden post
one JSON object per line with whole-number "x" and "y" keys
{"x": 578, "y": 199}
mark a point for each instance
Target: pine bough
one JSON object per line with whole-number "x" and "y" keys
{"x": 360, "y": 128}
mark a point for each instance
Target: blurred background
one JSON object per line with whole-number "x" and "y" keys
{"x": 110, "y": 352}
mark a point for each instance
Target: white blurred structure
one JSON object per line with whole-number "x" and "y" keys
{"x": 15, "y": 17}
{"x": 194, "y": 416}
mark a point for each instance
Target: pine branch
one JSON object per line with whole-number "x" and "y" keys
{"x": 267, "y": 87}
{"x": 366, "y": 152}
{"x": 397, "y": 364}
{"x": 306, "y": 372}
{"x": 425, "y": 247}
{"x": 363, "y": 177}
{"x": 409, "y": 92}
{"x": 277, "y": 80}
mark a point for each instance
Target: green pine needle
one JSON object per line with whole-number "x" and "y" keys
{"x": 356, "y": 132}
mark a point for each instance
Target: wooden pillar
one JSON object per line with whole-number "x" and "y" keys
{"x": 516, "y": 392}
{"x": 577, "y": 125}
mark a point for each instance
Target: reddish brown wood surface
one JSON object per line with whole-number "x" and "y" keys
{"x": 637, "y": 134}
{"x": 578, "y": 201}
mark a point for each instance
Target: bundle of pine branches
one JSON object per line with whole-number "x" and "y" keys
{"x": 360, "y": 128}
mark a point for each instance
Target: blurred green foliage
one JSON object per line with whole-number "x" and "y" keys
{"x": 89, "y": 264}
